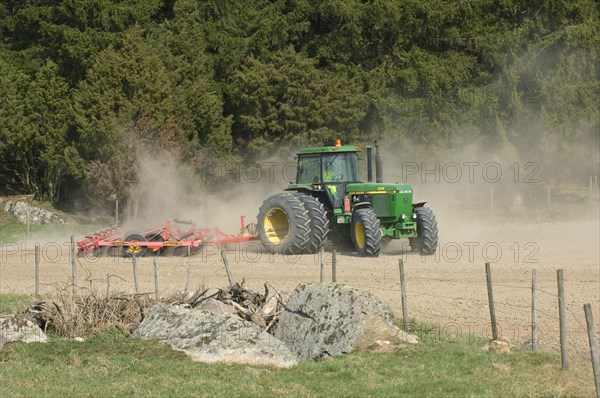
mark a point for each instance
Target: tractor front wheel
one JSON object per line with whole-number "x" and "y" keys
{"x": 427, "y": 232}
{"x": 283, "y": 225}
{"x": 366, "y": 232}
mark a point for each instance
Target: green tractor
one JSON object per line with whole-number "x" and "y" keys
{"x": 328, "y": 200}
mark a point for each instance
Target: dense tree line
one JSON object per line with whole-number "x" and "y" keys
{"x": 87, "y": 83}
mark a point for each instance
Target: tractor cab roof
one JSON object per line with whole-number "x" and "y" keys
{"x": 329, "y": 149}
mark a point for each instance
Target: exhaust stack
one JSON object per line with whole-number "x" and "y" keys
{"x": 370, "y": 163}
{"x": 378, "y": 164}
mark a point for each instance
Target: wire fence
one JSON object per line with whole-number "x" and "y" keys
{"x": 446, "y": 301}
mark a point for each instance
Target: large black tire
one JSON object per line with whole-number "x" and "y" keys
{"x": 283, "y": 225}
{"x": 318, "y": 222}
{"x": 426, "y": 241}
{"x": 133, "y": 250}
{"x": 365, "y": 231}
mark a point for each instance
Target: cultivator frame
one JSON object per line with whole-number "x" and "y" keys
{"x": 136, "y": 244}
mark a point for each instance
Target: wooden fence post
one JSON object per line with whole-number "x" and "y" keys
{"x": 73, "y": 265}
{"x": 156, "y": 277}
{"x": 403, "y": 290}
{"x": 534, "y": 340}
{"x": 589, "y": 319}
{"x": 562, "y": 314}
{"x": 334, "y": 266}
{"x": 135, "y": 274}
{"x": 488, "y": 275}
{"x": 37, "y": 269}
{"x": 229, "y": 276}
{"x": 322, "y": 263}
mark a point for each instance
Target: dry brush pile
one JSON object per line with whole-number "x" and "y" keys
{"x": 90, "y": 313}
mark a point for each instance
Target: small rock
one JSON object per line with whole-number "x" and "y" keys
{"x": 14, "y": 328}
{"x": 407, "y": 337}
{"x": 79, "y": 339}
{"x": 501, "y": 345}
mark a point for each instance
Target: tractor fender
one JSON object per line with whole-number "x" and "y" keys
{"x": 420, "y": 204}
{"x": 299, "y": 189}
{"x": 360, "y": 205}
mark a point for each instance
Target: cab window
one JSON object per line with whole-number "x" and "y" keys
{"x": 309, "y": 170}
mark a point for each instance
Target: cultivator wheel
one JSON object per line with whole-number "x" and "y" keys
{"x": 319, "y": 223}
{"x": 366, "y": 232}
{"x": 155, "y": 250}
{"x": 134, "y": 250}
{"x": 283, "y": 224}
{"x": 427, "y": 232}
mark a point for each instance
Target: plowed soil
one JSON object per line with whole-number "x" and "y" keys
{"x": 447, "y": 290}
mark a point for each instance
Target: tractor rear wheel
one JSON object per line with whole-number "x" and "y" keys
{"x": 283, "y": 225}
{"x": 133, "y": 250}
{"x": 427, "y": 232}
{"x": 365, "y": 231}
{"x": 318, "y": 221}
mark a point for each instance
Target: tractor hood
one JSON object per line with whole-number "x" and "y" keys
{"x": 373, "y": 188}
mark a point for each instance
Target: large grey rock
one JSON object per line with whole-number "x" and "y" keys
{"x": 210, "y": 336}
{"x": 19, "y": 210}
{"x": 328, "y": 319}
{"x": 14, "y": 328}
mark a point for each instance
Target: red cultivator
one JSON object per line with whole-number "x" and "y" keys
{"x": 182, "y": 236}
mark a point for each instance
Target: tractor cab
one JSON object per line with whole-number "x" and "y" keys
{"x": 327, "y": 170}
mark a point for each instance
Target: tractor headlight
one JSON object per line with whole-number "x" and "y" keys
{"x": 414, "y": 216}
{"x": 403, "y": 216}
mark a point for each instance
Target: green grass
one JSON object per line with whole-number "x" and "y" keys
{"x": 11, "y": 230}
{"x": 11, "y": 303}
{"x": 114, "y": 365}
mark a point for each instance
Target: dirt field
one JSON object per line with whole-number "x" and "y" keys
{"x": 447, "y": 290}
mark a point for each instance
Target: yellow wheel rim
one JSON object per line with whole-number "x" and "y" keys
{"x": 276, "y": 225}
{"x": 359, "y": 235}
{"x": 135, "y": 249}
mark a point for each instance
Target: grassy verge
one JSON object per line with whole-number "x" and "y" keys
{"x": 12, "y": 230}
{"x": 11, "y": 303}
{"x": 114, "y": 365}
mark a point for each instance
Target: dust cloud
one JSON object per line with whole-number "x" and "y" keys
{"x": 216, "y": 194}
